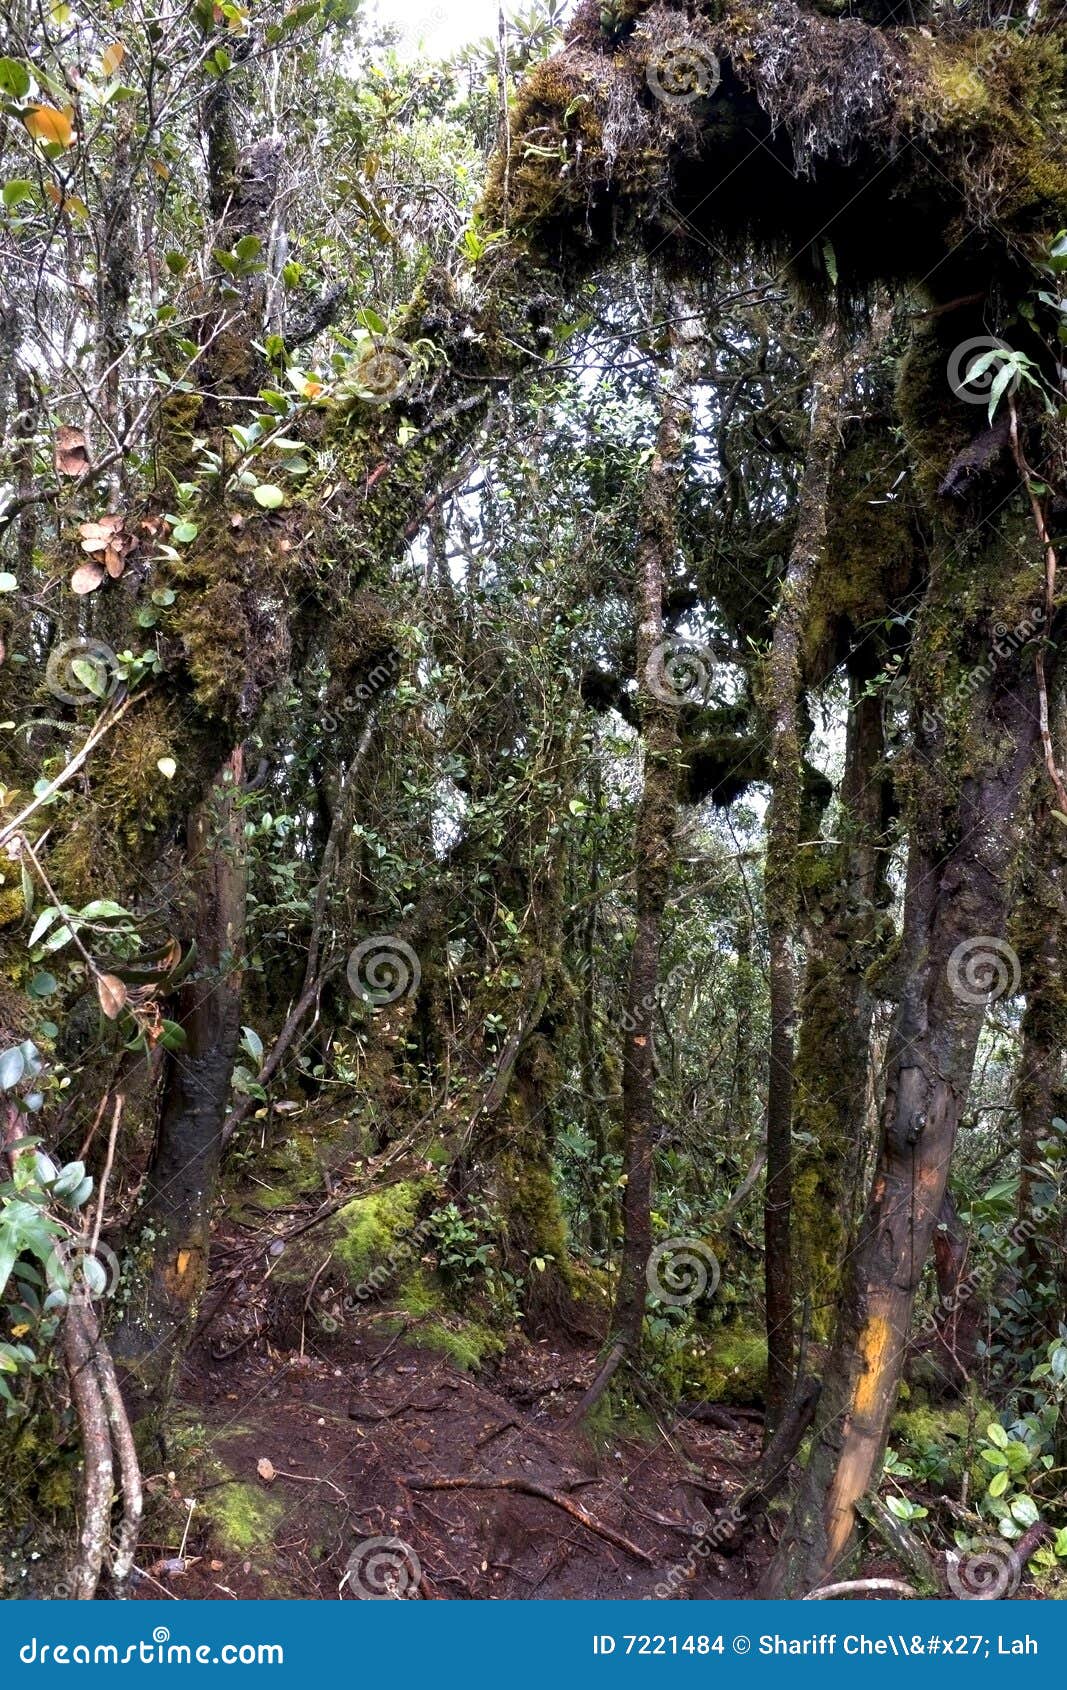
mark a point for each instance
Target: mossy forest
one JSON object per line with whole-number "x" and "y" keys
{"x": 533, "y": 800}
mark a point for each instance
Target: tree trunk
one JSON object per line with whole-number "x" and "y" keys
{"x": 781, "y": 877}
{"x": 170, "y": 1252}
{"x": 1039, "y": 932}
{"x": 837, "y": 1008}
{"x": 952, "y": 900}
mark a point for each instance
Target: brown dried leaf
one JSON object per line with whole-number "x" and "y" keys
{"x": 266, "y": 1470}
{"x": 100, "y": 530}
{"x": 86, "y": 578}
{"x": 71, "y": 456}
{"x": 114, "y": 562}
{"x": 112, "y": 994}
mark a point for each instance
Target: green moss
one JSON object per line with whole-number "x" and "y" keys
{"x": 372, "y": 1234}
{"x": 728, "y": 1367}
{"x": 427, "y": 1323}
{"x": 951, "y": 1433}
{"x": 245, "y": 1516}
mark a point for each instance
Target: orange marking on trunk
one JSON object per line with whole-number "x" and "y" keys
{"x": 874, "y": 1345}
{"x": 184, "y": 1258}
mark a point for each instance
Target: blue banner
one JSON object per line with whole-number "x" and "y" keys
{"x": 529, "y": 1644}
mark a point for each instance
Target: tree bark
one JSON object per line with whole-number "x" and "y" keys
{"x": 950, "y": 899}
{"x": 830, "y": 1123}
{"x": 653, "y": 844}
{"x": 781, "y": 876}
{"x": 170, "y": 1252}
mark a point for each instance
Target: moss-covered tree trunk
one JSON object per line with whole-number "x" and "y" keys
{"x": 654, "y": 836}
{"x": 781, "y": 874}
{"x": 975, "y": 729}
{"x": 847, "y": 891}
{"x": 1040, "y": 934}
{"x": 169, "y": 1262}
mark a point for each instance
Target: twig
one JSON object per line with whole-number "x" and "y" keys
{"x": 106, "y": 1175}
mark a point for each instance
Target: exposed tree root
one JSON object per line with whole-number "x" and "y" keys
{"x": 527, "y": 1487}
{"x": 861, "y": 1587}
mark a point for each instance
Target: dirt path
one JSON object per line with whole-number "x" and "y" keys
{"x": 340, "y": 1433}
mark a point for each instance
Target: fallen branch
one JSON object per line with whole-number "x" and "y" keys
{"x": 528, "y": 1487}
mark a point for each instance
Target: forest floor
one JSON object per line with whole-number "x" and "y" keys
{"x": 349, "y": 1439}
{"x": 316, "y": 1462}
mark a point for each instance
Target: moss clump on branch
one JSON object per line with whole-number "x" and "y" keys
{"x": 939, "y": 128}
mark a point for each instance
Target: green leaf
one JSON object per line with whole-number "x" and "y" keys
{"x": 997, "y": 1435}
{"x": 184, "y": 532}
{"x": 1000, "y": 381}
{"x": 176, "y": 263}
{"x": 253, "y": 1044}
{"x": 41, "y": 925}
{"x": 14, "y": 78}
{"x": 93, "y": 675}
{"x": 998, "y": 1484}
{"x": 1024, "y": 1509}
{"x": 43, "y": 985}
{"x": 268, "y": 496}
{"x": 16, "y": 191}
{"x": 102, "y": 908}
{"x": 12, "y": 1064}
